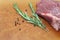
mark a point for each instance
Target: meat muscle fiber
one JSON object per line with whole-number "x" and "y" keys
{"x": 50, "y": 10}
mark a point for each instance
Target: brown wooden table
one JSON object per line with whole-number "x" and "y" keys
{"x": 22, "y": 31}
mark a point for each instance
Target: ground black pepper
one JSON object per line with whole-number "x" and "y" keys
{"x": 17, "y": 22}
{"x": 17, "y": 19}
{"x": 22, "y": 20}
{"x": 19, "y": 29}
{"x": 26, "y": 10}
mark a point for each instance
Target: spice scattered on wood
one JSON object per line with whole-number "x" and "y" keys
{"x": 19, "y": 29}
{"x": 26, "y": 10}
{"x": 17, "y": 22}
{"x": 17, "y": 19}
{"x": 22, "y": 20}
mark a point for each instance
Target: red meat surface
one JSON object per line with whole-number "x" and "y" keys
{"x": 50, "y": 11}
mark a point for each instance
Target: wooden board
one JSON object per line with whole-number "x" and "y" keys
{"x": 24, "y": 30}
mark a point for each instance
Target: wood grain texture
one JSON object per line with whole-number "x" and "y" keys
{"x": 24, "y": 31}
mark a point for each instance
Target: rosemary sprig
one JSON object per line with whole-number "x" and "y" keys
{"x": 36, "y": 16}
{"x": 35, "y": 20}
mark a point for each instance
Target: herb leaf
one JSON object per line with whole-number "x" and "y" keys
{"x": 36, "y": 16}
{"x": 35, "y": 20}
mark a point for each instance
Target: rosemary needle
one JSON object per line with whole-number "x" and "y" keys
{"x": 34, "y": 20}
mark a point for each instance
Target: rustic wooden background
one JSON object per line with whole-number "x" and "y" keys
{"x": 22, "y": 31}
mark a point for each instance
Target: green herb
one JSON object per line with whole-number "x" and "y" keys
{"x": 35, "y": 20}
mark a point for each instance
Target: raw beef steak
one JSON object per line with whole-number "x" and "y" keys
{"x": 50, "y": 10}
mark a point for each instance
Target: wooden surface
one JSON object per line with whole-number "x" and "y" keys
{"x": 24, "y": 31}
